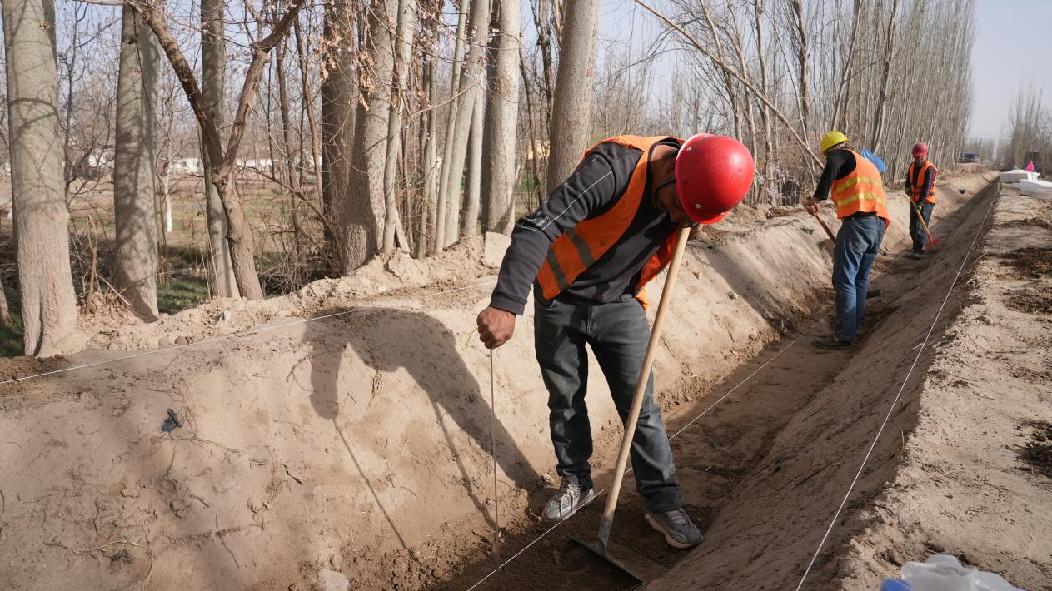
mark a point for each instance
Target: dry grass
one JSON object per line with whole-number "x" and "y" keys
{"x": 184, "y": 252}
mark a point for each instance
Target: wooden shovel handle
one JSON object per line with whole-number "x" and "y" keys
{"x": 637, "y": 398}
{"x": 825, "y": 227}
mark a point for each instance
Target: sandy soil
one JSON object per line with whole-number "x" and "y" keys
{"x": 946, "y": 475}
{"x": 354, "y": 448}
{"x": 356, "y": 443}
{"x": 976, "y": 481}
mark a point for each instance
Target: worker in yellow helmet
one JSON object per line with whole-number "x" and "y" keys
{"x": 855, "y": 186}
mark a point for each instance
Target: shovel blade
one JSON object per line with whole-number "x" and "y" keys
{"x": 624, "y": 569}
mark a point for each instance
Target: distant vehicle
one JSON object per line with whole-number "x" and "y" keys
{"x": 968, "y": 157}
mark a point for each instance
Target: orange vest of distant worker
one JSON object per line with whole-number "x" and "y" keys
{"x": 584, "y": 244}
{"x": 862, "y": 190}
{"x": 917, "y": 181}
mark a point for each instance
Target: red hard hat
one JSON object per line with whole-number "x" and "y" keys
{"x": 713, "y": 174}
{"x": 920, "y": 149}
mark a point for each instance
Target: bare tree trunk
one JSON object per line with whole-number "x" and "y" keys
{"x": 337, "y": 114}
{"x": 572, "y": 116}
{"x": 69, "y": 77}
{"x": 444, "y": 205}
{"x": 882, "y": 99}
{"x": 291, "y": 154}
{"x": 268, "y": 119}
{"x": 843, "y": 90}
{"x": 721, "y": 61}
{"x": 5, "y": 312}
{"x": 430, "y": 167}
{"x": 472, "y": 194}
{"x": 239, "y": 234}
{"x": 363, "y": 209}
{"x": 750, "y": 121}
{"x": 312, "y": 120}
{"x": 543, "y": 18}
{"x": 803, "y": 59}
{"x": 134, "y": 200}
{"x": 765, "y": 111}
{"x": 470, "y": 80}
{"x": 213, "y": 82}
{"x": 49, "y": 306}
{"x": 287, "y": 144}
{"x": 535, "y": 147}
{"x": 500, "y": 135}
{"x": 166, "y": 196}
{"x": 404, "y": 50}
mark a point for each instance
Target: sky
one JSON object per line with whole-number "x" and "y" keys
{"x": 1013, "y": 46}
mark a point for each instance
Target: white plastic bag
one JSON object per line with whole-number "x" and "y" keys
{"x": 945, "y": 573}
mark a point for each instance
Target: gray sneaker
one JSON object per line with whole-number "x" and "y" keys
{"x": 680, "y": 532}
{"x": 567, "y": 501}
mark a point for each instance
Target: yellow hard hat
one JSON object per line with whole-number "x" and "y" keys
{"x": 830, "y": 139}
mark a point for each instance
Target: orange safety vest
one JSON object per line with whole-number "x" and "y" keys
{"x": 917, "y": 181}
{"x": 584, "y": 244}
{"x": 862, "y": 190}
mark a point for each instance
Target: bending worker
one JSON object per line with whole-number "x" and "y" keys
{"x": 855, "y": 186}
{"x": 588, "y": 250}
{"x": 920, "y": 186}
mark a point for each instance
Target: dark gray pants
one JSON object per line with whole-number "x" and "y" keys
{"x": 920, "y": 237}
{"x": 617, "y": 333}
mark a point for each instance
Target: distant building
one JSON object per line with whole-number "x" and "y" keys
{"x": 260, "y": 164}
{"x": 183, "y": 166}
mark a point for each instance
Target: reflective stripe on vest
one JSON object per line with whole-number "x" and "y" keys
{"x": 581, "y": 246}
{"x": 860, "y": 191}
{"x": 917, "y": 181}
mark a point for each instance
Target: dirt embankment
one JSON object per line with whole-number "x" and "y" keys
{"x": 958, "y": 467}
{"x": 354, "y": 446}
{"x": 976, "y": 474}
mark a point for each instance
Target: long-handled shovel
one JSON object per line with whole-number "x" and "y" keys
{"x": 825, "y": 227}
{"x": 931, "y": 239}
{"x": 601, "y": 548}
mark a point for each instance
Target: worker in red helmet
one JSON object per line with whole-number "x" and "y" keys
{"x": 588, "y": 252}
{"x": 920, "y": 186}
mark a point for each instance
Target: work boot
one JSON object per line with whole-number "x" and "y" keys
{"x": 831, "y": 344}
{"x": 680, "y": 532}
{"x": 567, "y": 501}
{"x": 917, "y": 255}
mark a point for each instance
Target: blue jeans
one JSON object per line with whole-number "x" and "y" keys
{"x": 617, "y": 333}
{"x": 857, "y": 245}
{"x": 920, "y": 237}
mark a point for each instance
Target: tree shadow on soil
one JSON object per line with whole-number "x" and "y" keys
{"x": 386, "y": 340}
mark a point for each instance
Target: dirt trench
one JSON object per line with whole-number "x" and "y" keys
{"x": 353, "y": 448}
{"x": 765, "y": 456}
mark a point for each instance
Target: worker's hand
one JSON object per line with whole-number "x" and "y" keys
{"x": 810, "y": 206}
{"x": 495, "y": 326}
